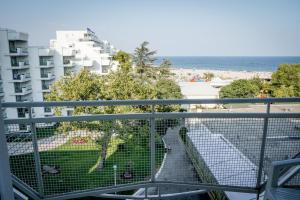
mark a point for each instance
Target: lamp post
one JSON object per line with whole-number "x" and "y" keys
{"x": 115, "y": 174}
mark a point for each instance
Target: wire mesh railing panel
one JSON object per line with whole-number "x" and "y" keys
{"x": 116, "y": 145}
{"x": 224, "y": 151}
{"x": 175, "y": 163}
{"x": 84, "y": 155}
{"x": 20, "y": 148}
{"x": 293, "y": 182}
{"x": 282, "y": 142}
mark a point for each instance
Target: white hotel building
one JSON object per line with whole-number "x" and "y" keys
{"x": 27, "y": 72}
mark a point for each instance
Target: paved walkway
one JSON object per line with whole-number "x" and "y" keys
{"x": 45, "y": 144}
{"x": 176, "y": 167}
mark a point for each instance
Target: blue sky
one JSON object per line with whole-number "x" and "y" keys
{"x": 186, "y": 28}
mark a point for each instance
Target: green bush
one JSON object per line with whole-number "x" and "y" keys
{"x": 242, "y": 89}
{"x": 286, "y": 81}
{"x": 182, "y": 132}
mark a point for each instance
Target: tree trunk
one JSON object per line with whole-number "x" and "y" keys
{"x": 103, "y": 156}
{"x": 104, "y": 147}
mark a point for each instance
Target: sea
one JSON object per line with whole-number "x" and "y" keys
{"x": 238, "y": 63}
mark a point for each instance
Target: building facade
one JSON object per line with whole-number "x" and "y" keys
{"x": 28, "y": 72}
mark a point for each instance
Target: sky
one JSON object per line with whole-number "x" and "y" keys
{"x": 173, "y": 27}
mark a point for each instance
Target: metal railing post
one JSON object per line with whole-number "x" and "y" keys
{"x": 263, "y": 147}
{"x": 6, "y": 187}
{"x": 37, "y": 160}
{"x": 152, "y": 144}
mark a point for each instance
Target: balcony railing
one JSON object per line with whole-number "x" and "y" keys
{"x": 45, "y": 87}
{"x": 20, "y": 64}
{"x": 19, "y": 51}
{"x": 21, "y": 77}
{"x": 47, "y": 63}
{"x": 23, "y": 90}
{"x": 223, "y": 152}
{"x": 47, "y": 76}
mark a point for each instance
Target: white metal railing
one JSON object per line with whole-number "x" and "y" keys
{"x": 274, "y": 188}
{"x": 244, "y": 135}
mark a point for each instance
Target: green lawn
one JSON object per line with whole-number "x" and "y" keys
{"x": 77, "y": 165}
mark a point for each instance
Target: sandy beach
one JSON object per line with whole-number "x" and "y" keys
{"x": 188, "y": 74}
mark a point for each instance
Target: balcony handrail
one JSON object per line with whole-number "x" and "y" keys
{"x": 171, "y": 115}
{"x": 152, "y": 116}
{"x": 154, "y": 102}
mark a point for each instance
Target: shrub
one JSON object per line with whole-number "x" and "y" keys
{"x": 182, "y": 132}
{"x": 242, "y": 89}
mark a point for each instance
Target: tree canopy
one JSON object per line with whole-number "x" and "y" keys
{"x": 285, "y": 81}
{"x": 242, "y": 89}
{"x": 123, "y": 84}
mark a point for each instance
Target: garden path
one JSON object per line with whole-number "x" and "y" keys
{"x": 45, "y": 144}
{"x": 176, "y": 167}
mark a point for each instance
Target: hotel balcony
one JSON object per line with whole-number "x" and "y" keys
{"x": 88, "y": 63}
{"x": 154, "y": 154}
{"x": 20, "y": 51}
{"x": 69, "y": 63}
{"x": 47, "y": 76}
{"x": 45, "y": 88}
{"x": 68, "y": 52}
{"x": 17, "y": 36}
{"x": 89, "y": 38}
{"x": 21, "y": 78}
{"x": 46, "y": 52}
{"x": 1, "y": 92}
{"x": 20, "y": 65}
{"x": 47, "y": 64}
{"x": 23, "y": 90}
{"x": 105, "y": 62}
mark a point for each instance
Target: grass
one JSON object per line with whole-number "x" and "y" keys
{"x": 77, "y": 165}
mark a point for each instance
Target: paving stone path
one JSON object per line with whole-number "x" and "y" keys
{"x": 176, "y": 167}
{"x": 45, "y": 144}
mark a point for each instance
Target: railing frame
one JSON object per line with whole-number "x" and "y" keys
{"x": 147, "y": 116}
{"x": 6, "y": 188}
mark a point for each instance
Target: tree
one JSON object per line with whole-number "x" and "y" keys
{"x": 117, "y": 85}
{"x": 208, "y": 76}
{"x": 143, "y": 58}
{"x": 241, "y": 89}
{"x": 85, "y": 86}
{"x": 285, "y": 81}
{"x": 164, "y": 69}
{"x": 124, "y": 60}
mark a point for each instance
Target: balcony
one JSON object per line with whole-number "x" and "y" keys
{"x": 46, "y": 64}
{"x": 20, "y": 65}
{"x": 21, "y": 77}
{"x": 68, "y": 52}
{"x": 226, "y": 153}
{"x": 20, "y": 51}
{"x": 105, "y": 62}
{"x": 88, "y": 63}
{"x": 46, "y": 52}
{"x": 47, "y": 76}
{"x": 17, "y": 36}
{"x": 45, "y": 88}
{"x": 23, "y": 90}
{"x": 1, "y": 92}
